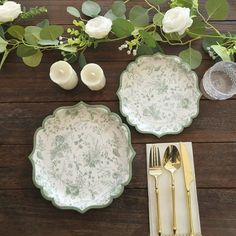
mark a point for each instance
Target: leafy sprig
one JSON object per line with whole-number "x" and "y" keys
{"x": 31, "y": 41}
{"x": 32, "y": 12}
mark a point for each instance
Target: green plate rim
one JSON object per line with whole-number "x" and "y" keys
{"x": 112, "y": 197}
{"x": 187, "y": 66}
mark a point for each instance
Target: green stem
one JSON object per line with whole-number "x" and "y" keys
{"x": 4, "y": 57}
{"x": 183, "y": 43}
{"x": 152, "y": 6}
{"x": 211, "y": 36}
{"x": 111, "y": 40}
{"x": 207, "y": 23}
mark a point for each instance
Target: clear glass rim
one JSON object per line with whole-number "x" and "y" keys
{"x": 213, "y": 69}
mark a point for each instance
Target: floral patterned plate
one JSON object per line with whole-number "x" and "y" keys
{"x": 82, "y": 157}
{"x": 159, "y": 94}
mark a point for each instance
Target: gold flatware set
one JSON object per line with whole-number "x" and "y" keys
{"x": 172, "y": 161}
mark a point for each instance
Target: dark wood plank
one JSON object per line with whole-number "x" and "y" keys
{"x": 57, "y": 9}
{"x": 27, "y": 213}
{"x": 215, "y": 123}
{"x": 19, "y": 84}
{"x": 210, "y": 160}
{"x": 27, "y": 96}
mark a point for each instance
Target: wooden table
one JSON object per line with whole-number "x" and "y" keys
{"x": 27, "y": 96}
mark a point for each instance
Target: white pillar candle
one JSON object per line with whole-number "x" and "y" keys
{"x": 93, "y": 76}
{"x": 64, "y": 75}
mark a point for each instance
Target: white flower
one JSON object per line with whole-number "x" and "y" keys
{"x": 9, "y": 11}
{"x": 99, "y": 27}
{"x": 177, "y": 20}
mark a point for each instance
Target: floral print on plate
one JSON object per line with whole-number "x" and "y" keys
{"x": 159, "y": 94}
{"x": 82, "y": 157}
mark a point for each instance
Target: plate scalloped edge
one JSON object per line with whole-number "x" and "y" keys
{"x": 121, "y": 186}
{"x": 186, "y": 65}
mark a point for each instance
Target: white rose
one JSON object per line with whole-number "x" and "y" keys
{"x": 177, "y": 20}
{"x": 99, "y": 27}
{"x": 9, "y": 11}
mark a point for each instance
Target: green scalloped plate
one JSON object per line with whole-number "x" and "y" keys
{"x": 82, "y": 157}
{"x": 159, "y": 94}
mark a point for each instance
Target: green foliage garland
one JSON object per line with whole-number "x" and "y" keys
{"x": 140, "y": 28}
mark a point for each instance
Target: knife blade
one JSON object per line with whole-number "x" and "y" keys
{"x": 188, "y": 175}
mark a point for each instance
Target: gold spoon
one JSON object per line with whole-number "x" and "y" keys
{"x": 172, "y": 163}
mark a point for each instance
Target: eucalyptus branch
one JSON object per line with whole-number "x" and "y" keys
{"x": 139, "y": 36}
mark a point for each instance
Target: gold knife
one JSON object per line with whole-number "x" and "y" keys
{"x": 188, "y": 177}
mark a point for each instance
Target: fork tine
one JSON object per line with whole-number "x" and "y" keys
{"x": 150, "y": 157}
{"x": 159, "y": 158}
{"x": 155, "y": 156}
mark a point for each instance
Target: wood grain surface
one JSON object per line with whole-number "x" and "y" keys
{"x": 27, "y": 96}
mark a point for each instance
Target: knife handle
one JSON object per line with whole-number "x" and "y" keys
{"x": 173, "y": 203}
{"x": 190, "y": 213}
{"x": 158, "y": 207}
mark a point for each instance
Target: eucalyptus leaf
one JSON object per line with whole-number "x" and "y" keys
{"x": 158, "y": 48}
{"x": 217, "y": 10}
{"x": 118, "y": 8}
{"x": 25, "y": 51}
{"x": 32, "y": 34}
{"x": 82, "y": 60}
{"x": 156, "y": 2}
{"x": 34, "y": 60}
{"x": 68, "y": 48}
{"x": 2, "y": 33}
{"x": 143, "y": 49}
{"x": 70, "y": 57}
{"x": 157, "y": 36}
{"x": 3, "y": 45}
{"x": 91, "y": 8}
{"x": 73, "y": 11}
{"x": 51, "y": 32}
{"x": 139, "y": 16}
{"x": 43, "y": 24}
{"x": 192, "y": 57}
{"x": 46, "y": 42}
{"x": 157, "y": 19}
{"x": 122, "y": 27}
{"x": 198, "y": 28}
{"x": 148, "y": 38}
{"x": 110, "y": 15}
{"x": 221, "y": 52}
{"x": 16, "y": 31}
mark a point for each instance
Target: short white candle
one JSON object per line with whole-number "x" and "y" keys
{"x": 64, "y": 75}
{"x": 93, "y": 76}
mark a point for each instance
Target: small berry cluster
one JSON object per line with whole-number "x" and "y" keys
{"x": 131, "y": 46}
{"x": 211, "y": 53}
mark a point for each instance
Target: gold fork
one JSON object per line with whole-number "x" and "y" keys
{"x": 155, "y": 170}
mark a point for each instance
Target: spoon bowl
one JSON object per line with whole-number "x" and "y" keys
{"x": 172, "y": 160}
